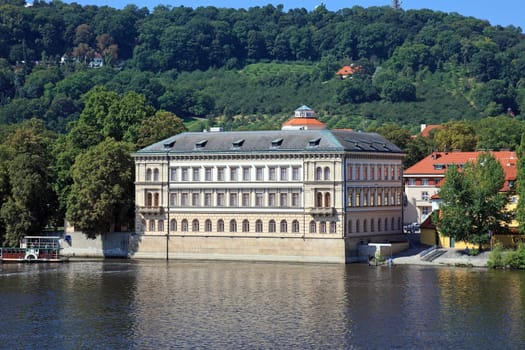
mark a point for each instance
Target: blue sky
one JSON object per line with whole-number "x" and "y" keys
{"x": 502, "y": 12}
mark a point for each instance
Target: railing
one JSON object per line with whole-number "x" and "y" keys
{"x": 322, "y": 211}
{"x": 151, "y": 210}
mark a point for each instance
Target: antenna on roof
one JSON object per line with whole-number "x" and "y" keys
{"x": 396, "y": 4}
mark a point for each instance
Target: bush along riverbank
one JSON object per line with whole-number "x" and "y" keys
{"x": 507, "y": 259}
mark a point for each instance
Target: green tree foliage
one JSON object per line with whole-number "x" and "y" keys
{"x": 395, "y": 134}
{"x": 28, "y": 198}
{"x": 456, "y": 135}
{"x": 498, "y": 133}
{"x": 473, "y": 205}
{"x": 101, "y": 198}
{"x": 162, "y": 125}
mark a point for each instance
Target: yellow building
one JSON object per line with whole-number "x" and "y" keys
{"x": 294, "y": 195}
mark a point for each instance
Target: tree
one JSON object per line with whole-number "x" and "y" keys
{"x": 101, "y": 198}
{"x": 456, "y": 135}
{"x": 162, "y": 125}
{"x": 29, "y": 200}
{"x": 395, "y": 134}
{"x": 473, "y": 204}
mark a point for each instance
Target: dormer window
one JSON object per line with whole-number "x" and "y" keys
{"x": 314, "y": 142}
{"x": 201, "y": 144}
{"x": 169, "y": 144}
{"x": 277, "y": 143}
{"x": 439, "y": 166}
{"x": 238, "y": 143}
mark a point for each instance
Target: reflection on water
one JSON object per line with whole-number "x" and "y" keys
{"x": 189, "y": 304}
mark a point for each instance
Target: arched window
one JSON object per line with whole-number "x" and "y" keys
{"x": 184, "y": 225}
{"x": 284, "y": 226}
{"x": 392, "y": 224}
{"x": 220, "y": 225}
{"x": 155, "y": 174}
{"x": 349, "y": 226}
{"x": 207, "y": 225}
{"x": 327, "y": 173}
{"x": 319, "y": 199}
{"x": 195, "y": 225}
{"x": 365, "y": 226}
{"x": 399, "y": 223}
{"x": 319, "y": 173}
{"x": 148, "y": 174}
{"x": 245, "y": 226}
{"x": 149, "y": 200}
{"x": 271, "y": 226}
{"x": 313, "y": 227}
{"x": 160, "y": 225}
{"x": 295, "y": 226}
{"x": 322, "y": 227}
{"x": 173, "y": 225}
{"x": 333, "y": 227}
{"x": 156, "y": 200}
{"x": 379, "y": 225}
{"x": 152, "y": 225}
{"x": 258, "y": 226}
{"x": 372, "y": 225}
{"x": 233, "y": 226}
{"x": 357, "y": 226}
{"x": 327, "y": 200}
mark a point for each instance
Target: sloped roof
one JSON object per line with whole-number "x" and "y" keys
{"x": 272, "y": 141}
{"x": 348, "y": 70}
{"x": 437, "y": 163}
{"x": 303, "y": 121}
{"x": 426, "y": 131}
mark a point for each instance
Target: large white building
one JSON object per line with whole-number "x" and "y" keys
{"x": 297, "y": 195}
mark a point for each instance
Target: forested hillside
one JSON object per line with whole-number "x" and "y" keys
{"x": 83, "y": 86}
{"x": 215, "y": 63}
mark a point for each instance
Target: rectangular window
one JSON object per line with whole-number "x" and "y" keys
{"x": 425, "y": 211}
{"x": 184, "y": 174}
{"x": 411, "y": 182}
{"x": 220, "y": 174}
{"x": 385, "y": 172}
{"x": 173, "y": 174}
{"x": 207, "y": 199}
{"x": 196, "y": 174}
{"x": 295, "y": 199}
{"x": 246, "y": 174}
{"x": 284, "y": 199}
{"x": 365, "y": 172}
{"x": 379, "y": 172}
{"x": 295, "y": 174}
{"x": 373, "y": 172}
{"x": 233, "y": 174}
{"x": 271, "y": 199}
{"x": 220, "y": 199}
{"x": 424, "y": 182}
{"x": 259, "y": 199}
{"x": 424, "y": 196}
{"x": 271, "y": 174}
{"x": 233, "y": 200}
{"x": 259, "y": 174}
{"x": 184, "y": 199}
{"x": 349, "y": 198}
{"x": 245, "y": 200}
{"x": 208, "y": 174}
{"x": 350, "y": 172}
{"x": 284, "y": 174}
{"x": 365, "y": 197}
{"x": 173, "y": 199}
{"x": 358, "y": 172}
{"x": 358, "y": 198}
{"x": 195, "y": 199}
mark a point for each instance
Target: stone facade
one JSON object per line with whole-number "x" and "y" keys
{"x": 291, "y": 195}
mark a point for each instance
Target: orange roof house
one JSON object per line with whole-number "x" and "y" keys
{"x": 347, "y": 71}
{"x": 426, "y": 129}
{"x": 423, "y": 179}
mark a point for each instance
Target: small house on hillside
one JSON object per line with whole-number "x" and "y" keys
{"x": 347, "y": 71}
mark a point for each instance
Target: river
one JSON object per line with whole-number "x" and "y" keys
{"x": 123, "y": 304}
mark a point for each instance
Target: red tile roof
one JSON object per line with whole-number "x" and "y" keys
{"x": 348, "y": 70}
{"x": 435, "y": 165}
{"x": 303, "y": 121}
{"x": 426, "y": 131}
